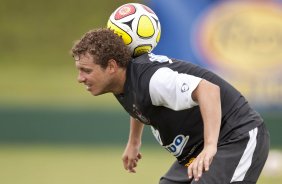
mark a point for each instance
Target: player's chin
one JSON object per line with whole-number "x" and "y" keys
{"x": 96, "y": 93}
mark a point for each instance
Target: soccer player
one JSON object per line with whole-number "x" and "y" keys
{"x": 210, "y": 128}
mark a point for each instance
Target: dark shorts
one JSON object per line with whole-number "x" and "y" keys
{"x": 239, "y": 160}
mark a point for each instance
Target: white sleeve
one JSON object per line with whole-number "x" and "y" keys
{"x": 172, "y": 89}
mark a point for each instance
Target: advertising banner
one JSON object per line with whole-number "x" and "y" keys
{"x": 239, "y": 40}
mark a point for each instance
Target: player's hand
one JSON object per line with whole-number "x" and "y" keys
{"x": 202, "y": 162}
{"x": 130, "y": 157}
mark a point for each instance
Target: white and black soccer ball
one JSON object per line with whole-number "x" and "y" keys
{"x": 138, "y": 26}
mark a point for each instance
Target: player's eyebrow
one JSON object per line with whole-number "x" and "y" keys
{"x": 84, "y": 69}
{"x": 80, "y": 67}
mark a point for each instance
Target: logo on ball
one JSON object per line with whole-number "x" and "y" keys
{"x": 124, "y": 11}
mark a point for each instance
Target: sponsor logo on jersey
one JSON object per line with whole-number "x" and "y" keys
{"x": 190, "y": 161}
{"x": 184, "y": 87}
{"x": 177, "y": 145}
{"x": 140, "y": 116}
{"x": 156, "y": 134}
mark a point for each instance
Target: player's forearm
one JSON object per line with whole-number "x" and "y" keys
{"x": 208, "y": 98}
{"x": 136, "y": 130}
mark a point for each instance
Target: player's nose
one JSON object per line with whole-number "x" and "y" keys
{"x": 80, "y": 78}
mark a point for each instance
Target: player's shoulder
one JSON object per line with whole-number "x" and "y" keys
{"x": 150, "y": 58}
{"x": 149, "y": 63}
{"x": 142, "y": 64}
{"x": 143, "y": 67}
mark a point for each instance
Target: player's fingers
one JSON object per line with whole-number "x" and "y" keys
{"x": 200, "y": 168}
{"x": 195, "y": 171}
{"x": 131, "y": 166}
{"x": 207, "y": 162}
{"x": 131, "y": 163}
{"x": 125, "y": 162}
{"x": 189, "y": 171}
{"x": 132, "y": 170}
{"x": 139, "y": 156}
{"x": 134, "y": 164}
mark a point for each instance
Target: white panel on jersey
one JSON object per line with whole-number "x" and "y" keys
{"x": 246, "y": 159}
{"x": 172, "y": 89}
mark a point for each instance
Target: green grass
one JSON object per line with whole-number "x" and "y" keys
{"x": 73, "y": 165}
{"x": 83, "y": 164}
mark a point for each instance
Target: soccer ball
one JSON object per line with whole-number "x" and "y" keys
{"x": 138, "y": 26}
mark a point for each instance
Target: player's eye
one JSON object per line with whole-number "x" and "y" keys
{"x": 88, "y": 71}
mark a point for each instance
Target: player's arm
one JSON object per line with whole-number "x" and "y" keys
{"x": 186, "y": 91}
{"x": 131, "y": 153}
{"x": 207, "y": 95}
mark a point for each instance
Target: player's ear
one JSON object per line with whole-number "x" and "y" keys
{"x": 112, "y": 65}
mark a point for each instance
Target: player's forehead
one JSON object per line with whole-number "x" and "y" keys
{"x": 84, "y": 60}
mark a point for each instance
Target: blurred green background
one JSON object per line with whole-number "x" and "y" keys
{"x": 51, "y": 129}
{"x": 36, "y": 37}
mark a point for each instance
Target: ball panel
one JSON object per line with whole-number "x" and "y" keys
{"x": 125, "y": 11}
{"x": 127, "y": 39}
{"x": 148, "y": 9}
{"x": 145, "y": 27}
{"x": 158, "y": 37}
{"x": 139, "y": 50}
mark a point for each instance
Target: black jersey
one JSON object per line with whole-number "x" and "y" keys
{"x": 157, "y": 92}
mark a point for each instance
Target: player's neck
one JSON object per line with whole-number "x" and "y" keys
{"x": 119, "y": 81}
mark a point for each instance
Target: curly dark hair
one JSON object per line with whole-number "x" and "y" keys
{"x": 102, "y": 44}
